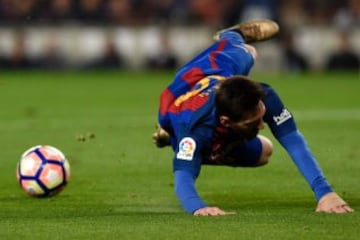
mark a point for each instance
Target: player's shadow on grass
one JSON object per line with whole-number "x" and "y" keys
{"x": 239, "y": 202}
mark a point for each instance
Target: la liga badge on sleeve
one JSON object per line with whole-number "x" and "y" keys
{"x": 186, "y": 150}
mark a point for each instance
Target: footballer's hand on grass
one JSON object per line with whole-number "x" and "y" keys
{"x": 333, "y": 203}
{"x": 211, "y": 211}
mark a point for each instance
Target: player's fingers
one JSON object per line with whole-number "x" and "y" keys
{"x": 209, "y": 211}
{"x": 219, "y": 212}
{"x": 199, "y": 212}
{"x": 343, "y": 209}
{"x": 337, "y": 209}
{"x": 329, "y": 210}
{"x": 348, "y": 208}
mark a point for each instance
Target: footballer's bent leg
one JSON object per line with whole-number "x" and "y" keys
{"x": 248, "y": 153}
{"x": 267, "y": 149}
{"x": 253, "y": 31}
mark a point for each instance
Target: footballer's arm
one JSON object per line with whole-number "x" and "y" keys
{"x": 189, "y": 198}
{"x": 328, "y": 200}
{"x": 187, "y": 166}
{"x": 283, "y": 126}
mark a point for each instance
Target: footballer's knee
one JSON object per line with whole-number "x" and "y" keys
{"x": 267, "y": 149}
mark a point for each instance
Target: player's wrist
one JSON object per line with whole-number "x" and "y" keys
{"x": 322, "y": 190}
{"x": 193, "y": 211}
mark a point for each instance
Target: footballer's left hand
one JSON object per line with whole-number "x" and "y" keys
{"x": 333, "y": 203}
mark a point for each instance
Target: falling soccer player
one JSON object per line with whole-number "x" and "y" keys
{"x": 212, "y": 113}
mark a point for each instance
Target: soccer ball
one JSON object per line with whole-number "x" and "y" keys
{"x": 43, "y": 171}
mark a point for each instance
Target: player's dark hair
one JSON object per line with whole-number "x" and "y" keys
{"x": 237, "y": 97}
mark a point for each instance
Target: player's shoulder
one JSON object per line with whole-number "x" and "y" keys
{"x": 267, "y": 88}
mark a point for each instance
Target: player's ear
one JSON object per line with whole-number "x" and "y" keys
{"x": 225, "y": 121}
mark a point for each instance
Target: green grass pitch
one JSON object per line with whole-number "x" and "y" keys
{"x": 121, "y": 186}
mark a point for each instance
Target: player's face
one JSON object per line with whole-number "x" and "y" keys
{"x": 249, "y": 127}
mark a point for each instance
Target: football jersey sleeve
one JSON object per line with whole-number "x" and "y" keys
{"x": 188, "y": 155}
{"x": 277, "y": 116}
{"x": 187, "y": 165}
{"x": 186, "y": 192}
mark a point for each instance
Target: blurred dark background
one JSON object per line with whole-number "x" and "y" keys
{"x": 316, "y": 35}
